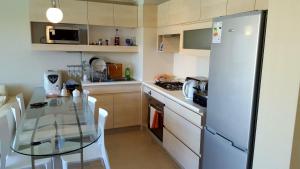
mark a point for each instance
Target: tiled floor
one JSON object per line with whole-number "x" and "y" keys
{"x": 133, "y": 149}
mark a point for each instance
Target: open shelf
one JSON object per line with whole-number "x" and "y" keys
{"x": 84, "y": 48}
{"x": 169, "y": 43}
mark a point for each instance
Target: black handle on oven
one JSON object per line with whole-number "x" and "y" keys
{"x": 157, "y": 107}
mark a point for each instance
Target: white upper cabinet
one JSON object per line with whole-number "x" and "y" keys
{"x": 125, "y": 15}
{"x": 162, "y": 14}
{"x": 37, "y": 10}
{"x": 178, "y": 11}
{"x": 83, "y": 12}
{"x": 174, "y": 12}
{"x": 101, "y": 14}
{"x": 261, "y": 4}
{"x": 213, "y": 8}
{"x": 237, "y": 6}
{"x": 190, "y": 10}
{"x": 74, "y": 11}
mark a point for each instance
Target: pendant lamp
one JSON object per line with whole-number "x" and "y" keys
{"x": 54, "y": 14}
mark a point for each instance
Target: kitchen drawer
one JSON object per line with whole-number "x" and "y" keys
{"x": 182, "y": 154}
{"x": 154, "y": 94}
{"x": 186, "y": 113}
{"x": 184, "y": 130}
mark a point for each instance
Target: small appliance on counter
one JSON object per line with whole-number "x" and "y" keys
{"x": 192, "y": 85}
{"x": 52, "y": 82}
{"x": 200, "y": 94}
{"x": 200, "y": 98}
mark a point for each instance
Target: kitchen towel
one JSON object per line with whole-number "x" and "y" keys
{"x": 154, "y": 118}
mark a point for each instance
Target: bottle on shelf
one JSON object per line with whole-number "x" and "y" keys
{"x": 117, "y": 38}
{"x": 127, "y": 72}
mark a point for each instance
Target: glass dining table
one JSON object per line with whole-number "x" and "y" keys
{"x": 52, "y": 127}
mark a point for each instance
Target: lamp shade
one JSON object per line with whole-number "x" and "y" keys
{"x": 54, "y": 15}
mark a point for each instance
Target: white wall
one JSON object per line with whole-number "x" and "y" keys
{"x": 279, "y": 87}
{"x": 190, "y": 65}
{"x": 20, "y": 68}
{"x": 152, "y": 61}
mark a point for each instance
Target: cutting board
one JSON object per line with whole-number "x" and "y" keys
{"x": 115, "y": 70}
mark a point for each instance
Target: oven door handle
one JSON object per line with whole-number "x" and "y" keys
{"x": 158, "y": 108}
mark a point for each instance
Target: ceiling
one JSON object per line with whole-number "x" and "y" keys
{"x": 132, "y": 1}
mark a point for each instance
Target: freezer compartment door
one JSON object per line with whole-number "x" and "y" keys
{"x": 220, "y": 154}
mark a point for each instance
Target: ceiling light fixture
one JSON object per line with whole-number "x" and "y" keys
{"x": 54, "y": 14}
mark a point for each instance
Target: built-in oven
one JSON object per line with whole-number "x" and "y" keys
{"x": 155, "y": 117}
{"x": 63, "y": 34}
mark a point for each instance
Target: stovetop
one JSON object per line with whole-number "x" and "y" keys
{"x": 172, "y": 86}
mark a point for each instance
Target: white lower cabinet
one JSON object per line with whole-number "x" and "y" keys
{"x": 183, "y": 130}
{"x": 154, "y": 94}
{"x": 181, "y": 153}
{"x": 184, "y": 112}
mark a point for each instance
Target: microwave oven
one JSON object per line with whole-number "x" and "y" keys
{"x": 63, "y": 34}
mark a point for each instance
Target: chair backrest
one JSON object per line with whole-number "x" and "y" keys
{"x": 101, "y": 124}
{"x": 2, "y": 90}
{"x": 85, "y": 92}
{"x": 92, "y": 103}
{"x": 16, "y": 113}
{"x": 7, "y": 129}
{"x": 20, "y": 100}
{"x": 4, "y": 140}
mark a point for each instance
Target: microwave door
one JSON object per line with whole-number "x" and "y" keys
{"x": 63, "y": 35}
{"x": 49, "y": 34}
{"x": 66, "y": 36}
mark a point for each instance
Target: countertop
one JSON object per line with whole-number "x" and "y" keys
{"x": 86, "y": 84}
{"x": 178, "y": 97}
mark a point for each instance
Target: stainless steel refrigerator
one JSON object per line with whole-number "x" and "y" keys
{"x": 234, "y": 80}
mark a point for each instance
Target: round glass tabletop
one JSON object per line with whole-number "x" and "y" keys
{"x": 58, "y": 126}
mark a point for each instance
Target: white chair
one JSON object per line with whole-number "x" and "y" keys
{"x": 20, "y": 100}
{"x": 96, "y": 151}
{"x": 17, "y": 115}
{"x": 91, "y": 100}
{"x": 14, "y": 160}
{"x": 92, "y": 103}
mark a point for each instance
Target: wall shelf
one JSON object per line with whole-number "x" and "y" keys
{"x": 84, "y": 48}
{"x": 169, "y": 43}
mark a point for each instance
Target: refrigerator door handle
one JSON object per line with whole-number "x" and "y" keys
{"x": 218, "y": 136}
{"x": 223, "y": 139}
{"x": 241, "y": 149}
{"x": 212, "y": 131}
